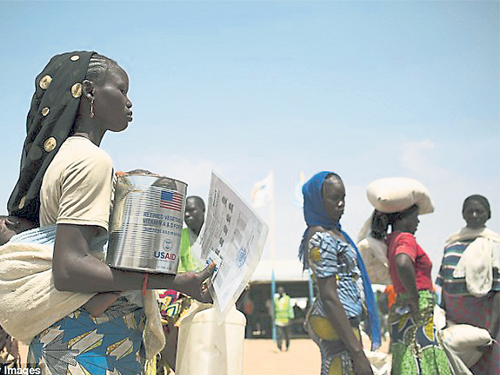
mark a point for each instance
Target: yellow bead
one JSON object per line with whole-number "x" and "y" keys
{"x": 50, "y": 144}
{"x": 45, "y": 82}
{"x": 76, "y": 90}
{"x": 22, "y": 202}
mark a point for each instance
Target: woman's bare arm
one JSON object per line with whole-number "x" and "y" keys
{"x": 406, "y": 272}
{"x": 74, "y": 269}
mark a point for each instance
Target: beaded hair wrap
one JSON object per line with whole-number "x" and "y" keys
{"x": 52, "y": 114}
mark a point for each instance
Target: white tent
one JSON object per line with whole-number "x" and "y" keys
{"x": 284, "y": 270}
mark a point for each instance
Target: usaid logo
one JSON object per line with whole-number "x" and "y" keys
{"x": 166, "y": 254}
{"x": 167, "y": 244}
{"x": 241, "y": 256}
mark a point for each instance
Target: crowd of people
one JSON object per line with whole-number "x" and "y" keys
{"x": 469, "y": 276}
{"x": 95, "y": 318}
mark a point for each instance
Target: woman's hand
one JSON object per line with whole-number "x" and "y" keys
{"x": 361, "y": 363}
{"x": 485, "y": 348}
{"x": 195, "y": 284}
{"x": 413, "y": 304}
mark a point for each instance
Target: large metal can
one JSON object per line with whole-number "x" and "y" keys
{"x": 146, "y": 225}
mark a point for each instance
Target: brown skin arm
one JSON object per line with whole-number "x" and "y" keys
{"x": 406, "y": 273}
{"x": 75, "y": 270}
{"x": 338, "y": 318}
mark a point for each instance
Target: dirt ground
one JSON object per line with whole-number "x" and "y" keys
{"x": 262, "y": 357}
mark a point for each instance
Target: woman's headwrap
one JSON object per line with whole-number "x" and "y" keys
{"x": 54, "y": 106}
{"x": 314, "y": 210}
{"x": 315, "y": 215}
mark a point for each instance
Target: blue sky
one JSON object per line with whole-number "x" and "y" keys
{"x": 366, "y": 89}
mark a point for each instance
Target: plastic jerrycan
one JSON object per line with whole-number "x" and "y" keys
{"x": 206, "y": 347}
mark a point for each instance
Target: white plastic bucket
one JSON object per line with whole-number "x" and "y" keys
{"x": 207, "y": 348}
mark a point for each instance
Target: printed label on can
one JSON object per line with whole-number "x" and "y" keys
{"x": 147, "y": 224}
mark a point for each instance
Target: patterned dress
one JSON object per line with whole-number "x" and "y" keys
{"x": 415, "y": 349}
{"x": 330, "y": 257}
{"x": 9, "y": 352}
{"x": 83, "y": 344}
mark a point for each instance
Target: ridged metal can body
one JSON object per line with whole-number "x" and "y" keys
{"x": 146, "y": 225}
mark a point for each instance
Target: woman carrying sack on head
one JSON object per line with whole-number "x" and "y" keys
{"x": 415, "y": 350}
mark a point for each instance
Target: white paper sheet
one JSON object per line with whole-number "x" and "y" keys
{"x": 237, "y": 235}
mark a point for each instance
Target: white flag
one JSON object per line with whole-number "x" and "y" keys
{"x": 262, "y": 191}
{"x": 298, "y": 198}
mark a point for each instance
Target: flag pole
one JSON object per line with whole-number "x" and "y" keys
{"x": 271, "y": 244}
{"x": 310, "y": 285}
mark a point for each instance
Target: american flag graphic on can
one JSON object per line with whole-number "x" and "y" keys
{"x": 171, "y": 200}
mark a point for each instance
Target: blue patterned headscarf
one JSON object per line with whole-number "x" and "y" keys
{"x": 315, "y": 215}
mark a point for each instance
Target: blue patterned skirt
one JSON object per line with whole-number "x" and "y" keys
{"x": 83, "y": 344}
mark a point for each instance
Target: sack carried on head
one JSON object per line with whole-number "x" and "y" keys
{"x": 395, "y": 194}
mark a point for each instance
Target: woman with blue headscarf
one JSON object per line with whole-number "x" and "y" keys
{"x": 345, "y": 293}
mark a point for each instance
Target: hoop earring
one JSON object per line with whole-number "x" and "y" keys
{"x": 92, "y": 114}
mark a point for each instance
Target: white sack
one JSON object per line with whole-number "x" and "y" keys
{"x": 464, "y": 339}
{"x": 374, "y": 254}
{"x": 396, "y": 194}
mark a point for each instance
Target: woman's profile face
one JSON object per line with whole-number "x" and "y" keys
{"x": 475, "y": 215}
{"x": 409, "y": 223}
{"x": 333, "y": 193}
{"x": 111, "y": 104}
